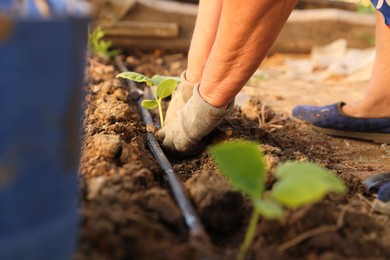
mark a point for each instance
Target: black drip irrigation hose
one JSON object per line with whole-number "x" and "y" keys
{"x": 197, "y": 233}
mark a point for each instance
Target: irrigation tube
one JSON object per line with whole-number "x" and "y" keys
{"x": 196, "y": 229}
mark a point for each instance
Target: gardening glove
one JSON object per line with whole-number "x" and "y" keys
{"x": 195, "y": 120}
{"x": 179, "y": 98}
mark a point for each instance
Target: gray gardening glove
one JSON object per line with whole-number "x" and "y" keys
{"x": 179, "y": 98}
{"x": 194, "y": 121}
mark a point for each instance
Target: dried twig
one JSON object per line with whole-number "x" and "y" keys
{"x": 314, "y": 232}
{"x": 260, "y": 122}
{"x": 350, "y": 167}
{"x": 371, "y": 204}
{"x": 263, "y": 122}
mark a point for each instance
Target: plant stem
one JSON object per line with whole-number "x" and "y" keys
{"x": 160, "y": 111}
{"x": 159, "y": 100}
{"x": 249, "y": 235}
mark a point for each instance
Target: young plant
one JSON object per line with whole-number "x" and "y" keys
{"x": 299, "y": 183}
{"x": 165, "y": 87}
{"x": 365, "y": 6}
{"x": 100, "y": 46}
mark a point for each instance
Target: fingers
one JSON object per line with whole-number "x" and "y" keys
{"x": 164, "y": 137}
{"x": 174, "y": 141}
{"x": 160, "y": 135}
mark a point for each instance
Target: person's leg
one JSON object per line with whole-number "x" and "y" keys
{"x": 376, "y": 102}
{"x": 202, "y": 41}
{"x": 367, "y": 119}
{"x": 243, "y": 34}
{"x": 246, "y": 31}
{"x": 206, "y": 26}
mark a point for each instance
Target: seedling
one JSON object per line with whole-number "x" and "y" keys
{"x": 165, "y": 87}
{"x": 100, "y": 46}
{"x": 365, "y": 7}
{"x": 299, "y": 183}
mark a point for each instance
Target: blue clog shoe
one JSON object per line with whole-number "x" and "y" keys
{"x": 380, "y": 184}
{"x": 332, "y": 121}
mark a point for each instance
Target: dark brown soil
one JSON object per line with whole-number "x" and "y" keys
{"x": 128, "y": 211}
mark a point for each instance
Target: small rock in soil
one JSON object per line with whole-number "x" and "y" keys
{"x": 94, "y": 185}
{"x": 107, "y": 146}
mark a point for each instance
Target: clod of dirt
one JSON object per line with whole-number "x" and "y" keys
{"x": 255, "y": 110}
{"x": 94, "y": 185}
{"x": 219, "y": 206}
{"x": 142, "y": 178}
{"x": 106, "y": 146}
{"x": 269, "y": 149}
{"x": 120, "y": 94}
{"x": 151, "y": 128}
{"x": 271, "y": 161}
{"x": 110, "y": 91}
{"x": 100, "y": 72}
{"x": 110, "y": 86}
{"x": 111, "y": 112}
{"x": 161, "y": 204}
{"x": 128, "y": 221}
{"x": 127, "y": 154}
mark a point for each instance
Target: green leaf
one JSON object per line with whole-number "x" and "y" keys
{"x": 166, "y": 88}
{"x": 99, "y": 33}
{"x": 158, "y": 78}
{"x": 134, "y": 76}
{"x": 302, "y": 183}
{"x": 113, "y": 53}
{"x": 268, "y": 208}
{"x": 243, "y": 163}
{"x": 107, "y": 44}
{"x": 149, "y": 104}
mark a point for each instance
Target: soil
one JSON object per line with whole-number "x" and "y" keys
{"x": 127, "y": 208}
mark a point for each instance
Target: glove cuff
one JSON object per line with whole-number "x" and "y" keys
{"x": 179, "y": 98}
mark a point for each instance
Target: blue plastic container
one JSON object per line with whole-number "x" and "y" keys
{"x": 41, "y": 81}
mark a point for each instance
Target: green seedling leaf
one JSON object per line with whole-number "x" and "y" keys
{"x": 243, "y": 163}
{"x": 114, "y": 53}
{"x": 149, "y": 104}
{"x": 166, "y": 88}
{"x": 302, "y": 183}
{"x": 268, "y": 208}
{"x": 134, "y": 76}
{"x": 298, "y": 183}
{"x": 98, "y": 45}
{"x": 158, "y": 78}
{"x": 99, "y": 33}
{"x": 160, "y": 86}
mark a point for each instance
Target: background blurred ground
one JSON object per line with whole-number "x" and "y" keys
{"x": 277, "y": 87}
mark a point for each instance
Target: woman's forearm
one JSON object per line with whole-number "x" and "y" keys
{"x": 246, "y": 31}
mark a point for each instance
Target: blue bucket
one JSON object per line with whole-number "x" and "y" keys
{"x": 41, "y": 81}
